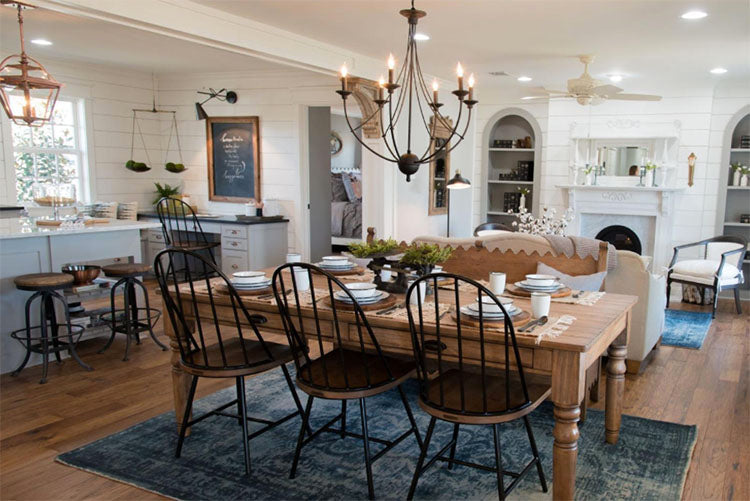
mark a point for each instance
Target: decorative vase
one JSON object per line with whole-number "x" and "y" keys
{"x": 746, "y": 180}
{"x": 653, "y": 178}
{"x": 736, "y": 176}
{"x": 588, "y": 180}
{"x": 521, "y": 202}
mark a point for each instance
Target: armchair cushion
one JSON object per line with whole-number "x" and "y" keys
{"x": 702, "y": 271}
{"x": 591, "y": 282}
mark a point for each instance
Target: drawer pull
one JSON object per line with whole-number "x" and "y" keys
{"x": 234, "y": 244}
{"x": 235, "y": 232}
{"x": 234, "y": 267}
{"x": 432, "y": 345}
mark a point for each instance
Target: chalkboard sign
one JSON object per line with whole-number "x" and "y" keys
{"x": 233, "y": 158}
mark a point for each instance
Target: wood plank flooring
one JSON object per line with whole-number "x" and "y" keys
{"x": 708, "y": 387}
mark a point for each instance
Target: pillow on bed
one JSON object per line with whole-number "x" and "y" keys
{"x": 338, "y": 190}
{"x": 347, "y": 179}
{"x": 591, "y": 282}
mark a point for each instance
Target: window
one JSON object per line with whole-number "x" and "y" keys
{"x": 53, "y": 153}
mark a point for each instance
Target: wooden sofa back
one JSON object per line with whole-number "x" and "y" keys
{"x": 477, "y": 262}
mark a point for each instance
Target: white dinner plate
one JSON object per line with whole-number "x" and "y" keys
{"x": 327, "y": 266}
{"x": 465, "y": 310}
{"x": 250, "y": 287}
{"x": 379, "y": 296}
{"x": 512, "y": 310}
{"x": 552, "y": 288}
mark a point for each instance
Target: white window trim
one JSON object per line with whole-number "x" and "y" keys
{"x": 84, "y": 150}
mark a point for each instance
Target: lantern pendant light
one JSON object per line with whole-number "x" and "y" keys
{"x": 23, "y": 76}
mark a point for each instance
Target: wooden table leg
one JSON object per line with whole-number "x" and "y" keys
{"x": 568, "y": 382}
{"x": 616, "y": 368}
{"x": 180, "y": 380}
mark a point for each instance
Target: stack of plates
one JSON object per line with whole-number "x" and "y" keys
{"x": 525, "y": 285}
{"x": 250, "y": 280}
{"x": 472, "y": 310}
{"x": 375, "y": 298}
{"x": 336, "y": 263}
{"x": 127, "y": 210}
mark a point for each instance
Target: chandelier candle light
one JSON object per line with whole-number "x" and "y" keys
{"x": 26, "y": 76}
{"x": 415, "y": 101}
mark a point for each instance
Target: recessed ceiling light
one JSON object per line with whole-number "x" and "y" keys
{"x": 524, "y": 79}
{"x": 41, "y": 41}
{"x": 719, "y": 71}
{"x": 694, "y": 14}
{"x": 421, "y": 37}
{"x": 526, "y": 98}
{"x": 615, "y": 78}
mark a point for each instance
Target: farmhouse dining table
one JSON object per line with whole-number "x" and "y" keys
{"x": 598, "y": 329}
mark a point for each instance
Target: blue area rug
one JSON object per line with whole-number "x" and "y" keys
{"x": 686, "y": 329}
{"x": 649, "y": 462}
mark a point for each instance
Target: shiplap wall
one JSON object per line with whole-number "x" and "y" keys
{"x": 278, "y": 98}
{"x": 703, "y": 117}
{"x": 109, "y": 95}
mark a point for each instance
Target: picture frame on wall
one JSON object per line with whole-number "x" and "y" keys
{"x": 233, "y": 149}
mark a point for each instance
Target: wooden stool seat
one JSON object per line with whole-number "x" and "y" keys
{"x": 233, "y": 361}
{"x": 126, "y": 269}
{"x": 538, "y": 387}
{"x": 43, "y": 281}
{"x": 347, "y": 376}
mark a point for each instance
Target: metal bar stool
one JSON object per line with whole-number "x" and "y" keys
{"x": 50, "y": 339}
{"x": 130, "y": 320}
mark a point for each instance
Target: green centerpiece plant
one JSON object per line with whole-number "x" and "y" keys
{"x": 165, "y": 191}
{"x": 376, "y": 248}
{"x": 423, "y": 257}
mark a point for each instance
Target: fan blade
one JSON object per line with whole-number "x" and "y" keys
{"x": 634, "y": 97}
{"x": 606, "y": 90}
{"x": 563, "y": 92}
{"x": 529, "y": 98}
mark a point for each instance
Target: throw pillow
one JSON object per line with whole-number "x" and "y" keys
{"x": 591, "y": 282}
{"x": 338, "y": 191}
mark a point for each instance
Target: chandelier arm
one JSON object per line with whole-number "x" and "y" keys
{"x": 363, "y": 122}
{"x": 346, "y": 116}
{"x": 391, "y": 127}
{"x": 426, "y": 156}
{"x": 454, "y": 146}
{"x": 443, "y": 120}
{"x": 384, "y": 135}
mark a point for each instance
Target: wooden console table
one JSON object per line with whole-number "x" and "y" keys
{"x": 599, "y": 329}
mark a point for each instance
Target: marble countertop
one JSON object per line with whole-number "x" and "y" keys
{"x": 605, "y": 187}
{"x": 25, "y": 227}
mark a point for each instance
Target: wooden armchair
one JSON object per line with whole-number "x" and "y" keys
{"x": 719, "y": 269}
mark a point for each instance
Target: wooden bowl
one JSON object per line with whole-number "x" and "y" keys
{"x": 83, "y": 274}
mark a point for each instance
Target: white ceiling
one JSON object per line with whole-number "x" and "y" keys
{"x": 647, "y": 41}
{"x": 100, "y": 42}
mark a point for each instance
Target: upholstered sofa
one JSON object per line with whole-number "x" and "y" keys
{"x": 629, "y": 276}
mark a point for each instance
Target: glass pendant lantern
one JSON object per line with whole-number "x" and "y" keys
{"x": 28, "y": 93}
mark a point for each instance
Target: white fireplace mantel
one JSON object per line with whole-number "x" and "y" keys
{"x": 649, "y": 211}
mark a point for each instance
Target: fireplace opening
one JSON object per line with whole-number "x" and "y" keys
{"x": 622, "y": 237}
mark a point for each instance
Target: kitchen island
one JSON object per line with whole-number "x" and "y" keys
{"x": 28, "y": 248}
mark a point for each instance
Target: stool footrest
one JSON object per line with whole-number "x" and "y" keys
{"x": 34, "y": 343}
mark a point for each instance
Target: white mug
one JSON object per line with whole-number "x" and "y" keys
{"x": 300, "y": 274}
{"x": 418, "y": 293}
{"x": 293, "y": 258}
{"x": 540, "y": 304}
{"x": 385, "y": 273}
{"x": 497, "y": 282}
{"x": 250, "y": 209}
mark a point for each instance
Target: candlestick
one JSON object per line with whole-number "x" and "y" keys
{"x": 460, "y": 74}
{"x": 435, "y": 87}
{"x": 391, "y": 67}
{"x": 471, "y": 87}
{"x": 344, "y": 72}
{"x": 381, "y": 83}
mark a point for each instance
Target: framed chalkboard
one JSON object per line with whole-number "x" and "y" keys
{"x": 233, "y": 145}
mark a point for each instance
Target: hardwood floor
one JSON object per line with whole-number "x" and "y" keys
{"x": 708, "y": 387}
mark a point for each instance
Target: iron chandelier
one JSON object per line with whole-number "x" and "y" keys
{"x": 415, "y": 102}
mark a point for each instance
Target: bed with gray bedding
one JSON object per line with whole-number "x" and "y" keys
{"x": 346, "y": 205}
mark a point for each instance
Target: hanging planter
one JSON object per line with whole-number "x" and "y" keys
{"x": 171, "y": 166}
{"x": 132, "y": 164}
{"x": 136, "y": 166}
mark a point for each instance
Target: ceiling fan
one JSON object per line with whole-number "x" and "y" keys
{"x": 588, "y": 90}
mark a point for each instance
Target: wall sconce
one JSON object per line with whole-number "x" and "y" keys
{"x": 229, "y": 96}
{"x": 691, "y": 168}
